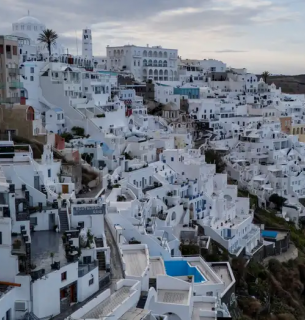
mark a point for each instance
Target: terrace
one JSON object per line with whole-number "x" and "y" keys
{"x": 135, "y": 260}
{"x": 173, "y": 296}
{"x": 156, "y": 267}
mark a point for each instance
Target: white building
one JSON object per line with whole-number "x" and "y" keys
{"x": 144, "y": 63}
{"x": 67, "y": 254}
{"x": 30, "y": 28}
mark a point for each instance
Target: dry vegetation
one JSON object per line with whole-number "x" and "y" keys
{"x": 37, "y": 148}
{"x": 289, "y": 84}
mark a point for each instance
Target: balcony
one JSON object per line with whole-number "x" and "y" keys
{"x": 16, "y": 85}
{"x": 13, "y": 71}
{"x": 10, "y": 100}
{"x": 84, "y": 269}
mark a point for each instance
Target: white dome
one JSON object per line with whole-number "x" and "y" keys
{"x": 29, "y": 19}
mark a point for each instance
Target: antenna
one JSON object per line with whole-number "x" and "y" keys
{"x": 76, "y": 42}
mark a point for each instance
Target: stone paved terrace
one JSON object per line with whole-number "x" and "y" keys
{"x": 156, "y": 266}
{"x": 136, "y": 314}
{"x": 106, "y": 307}
{"x": 135, "y": 261}
{"x": 223, "y": 273}
{"x": 173, "y": 296}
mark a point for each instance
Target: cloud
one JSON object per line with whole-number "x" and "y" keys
{"x": 192, "y": 26}
{"x": 227, "y": 51}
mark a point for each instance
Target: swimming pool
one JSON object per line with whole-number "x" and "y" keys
{"x": 269, "y": 234}
{"x": 182, "y": 268}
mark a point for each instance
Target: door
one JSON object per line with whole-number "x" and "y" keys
{"x": 65, "y": 188}
{"x": 51, "y": 221}
{"x": 36, "y": 182}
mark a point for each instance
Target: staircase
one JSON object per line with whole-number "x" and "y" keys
{"x": 142, "y": 301}
{"x": 101, "y": 260}
{"x": 63, "y": 218}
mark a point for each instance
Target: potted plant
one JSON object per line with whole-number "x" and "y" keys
{"x": 89, "y": 239}
{"x": 190, "y": 278}
{"x": 64, "y": 238}
{"x": 52, "y": 258}
{"x": 17, "y": 244}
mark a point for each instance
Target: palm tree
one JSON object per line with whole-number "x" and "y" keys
{"x": 265, "y": 75}
{"x": 48, "y": 37}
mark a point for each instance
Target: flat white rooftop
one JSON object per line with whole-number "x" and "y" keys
{"x": 156, "y": 266}
{"x": 106, "y": 307}
{"x": 136, "y": 262}
{"x": 173, "y": 296}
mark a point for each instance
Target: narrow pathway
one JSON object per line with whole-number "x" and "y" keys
{"x": 115, "y": 261}
{"x": 291, "y": 253}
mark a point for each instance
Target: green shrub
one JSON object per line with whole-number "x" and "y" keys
{"x": 78, "y": 131}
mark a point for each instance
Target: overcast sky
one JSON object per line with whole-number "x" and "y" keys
{"x": 256, "y": 34}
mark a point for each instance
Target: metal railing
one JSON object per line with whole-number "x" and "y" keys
{"x": 16, "y": 84}
{"x": 10, "y": 100}
{"x": 84, "y": 269}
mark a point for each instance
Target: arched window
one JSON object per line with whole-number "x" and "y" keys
{"x": 160, "y": 54}
{"x": 149, "y": 53}
{"x": 114, "y": 52}
{"x": 144, "y": 53}
{"x": 150, "y": 63}
{"x": 298, "y": 130}
{"x": 156, "y": 74}
{"x": 30, "y": 114}
{"x": 155, "y": 63}
{"x": 155, "y": 54}
{"x": 165, "y": 63}
{"x": 144, "y": 62}
{"x": 160, "y": 63}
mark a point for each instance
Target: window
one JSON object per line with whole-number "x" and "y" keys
{"x": 15, "y": 50}
{"x": 32, "y": 69}
{"x": 49, "y": 173}
{"x": 0, "y": 237}
{"x": 172, "y": 158}
{"x": 1, "y": 48}
{"x": 33, "y": 221}
{"x": 31, "y": 78}
{"x": 64, "y": 276}
{"x": 91, "y": 281}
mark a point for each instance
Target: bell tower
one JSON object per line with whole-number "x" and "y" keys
{"x": 87, "y": 44}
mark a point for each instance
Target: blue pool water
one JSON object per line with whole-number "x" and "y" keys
{"x": 182, "y": 268}
{"x": 269, "y": 234}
